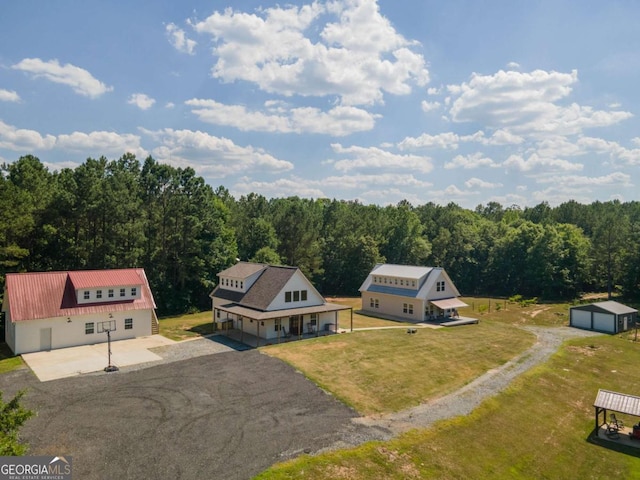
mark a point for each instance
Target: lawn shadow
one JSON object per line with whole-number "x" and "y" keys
{"x": 202, "y": 329}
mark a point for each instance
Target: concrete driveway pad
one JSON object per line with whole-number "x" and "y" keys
{"x": 67, "y": 362}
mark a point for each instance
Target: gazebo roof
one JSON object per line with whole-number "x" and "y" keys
{"x": 618, "y": 402}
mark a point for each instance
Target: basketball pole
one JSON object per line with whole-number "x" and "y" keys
{"x": 110, "y": 368}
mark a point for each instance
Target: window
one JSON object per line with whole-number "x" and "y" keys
{"x": 98, "y": 293}
{"x": 402, "y": 282}
{"x": 111, "y": 293}
{"x": 413, "y": 283}
{"x": 440, "y": 286}
{"x": 88, "y": 328}
{"x": 377, "y": 304}
{"x": 217, "y": 313}
{"x": 371, "y": 304}
{"x": 396, "y": 281}
{"x": 303, "y": 295}
{"x": 86, "y": 294}
{"x": 287, "y": 297}
{"x": 314, "y": 319}
{"x": 236, "y": 283}
{"x": 404, "y": 308}
{"x": 134, "y": 291}
{"x": 122, "y": 292}
{"x": 276, "y": 324}
{"x": 128, "y": 323}
{"x": 296, "y": 296}
{"x": 407, "y": 308}
{"x": 411, "y": 309}
{"x": 241, "y": 284}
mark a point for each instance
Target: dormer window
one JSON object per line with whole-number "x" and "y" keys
{"x": 110, "y": 294}
{"x": 123, "y": 292}
{"x": 99, "y": 294}
{"x": 86, "y": 294}
{"x": 440, "y": 286}
{"x": 134, "y": 291}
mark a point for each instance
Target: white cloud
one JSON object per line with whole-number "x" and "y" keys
{"x": 474, "y": 160}
{"x": 282, "y": 187}
{"x": 613, "y": 179}
{"x": 169, "y": 105}
{"x": 212, "y": 156}
{"x": 80, "y": 80}
{"x": 363, "y": 158}
{"x": 536, "y": 162}
{"x": 476, "y": 182}
{"x": 178, "y": 38}
{"x": 9, "y": 96}
{"x": 18, "y": 139}
{"x": 513, "y": 66}
{"x": 295, "y": 51}
{"x": 526, "y": 103}
{"x": 447, "y": 140}
{"x": 101, "y": 143}
{"x": 429, "y": 106}
{"x": 141, "y": 100}
{"x": 279, "y": 117}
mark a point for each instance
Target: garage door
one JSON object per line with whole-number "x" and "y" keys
{"x": 581, "y": 319}
{"x": 603, "y": 322}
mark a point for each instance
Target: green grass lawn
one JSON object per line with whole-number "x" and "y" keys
{"x": 187, "y": 326}
{"x": 379, "y": 371}
{"x": 8, "y": 361}
{"x": 538, "y": 428}
{"x": 359, "y": 320}
{"x": 501, "y": 310}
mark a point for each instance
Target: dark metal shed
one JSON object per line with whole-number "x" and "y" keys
{"x": 607, "y": 317}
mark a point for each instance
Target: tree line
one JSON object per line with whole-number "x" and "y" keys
{"x": 126, "y": 213}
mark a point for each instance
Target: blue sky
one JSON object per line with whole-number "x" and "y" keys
{"x": 380, "y": 101}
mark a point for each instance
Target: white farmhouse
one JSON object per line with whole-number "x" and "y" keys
{"x": 258, "y": 302}
{"x": 410, "y": 293}
{"x": 49, "y": 310}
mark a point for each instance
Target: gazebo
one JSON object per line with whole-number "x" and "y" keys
{"x": 614, "y": 402}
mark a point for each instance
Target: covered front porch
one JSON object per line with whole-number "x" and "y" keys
{"x": 442, "y": 310}
{"x": 258, "y": 328}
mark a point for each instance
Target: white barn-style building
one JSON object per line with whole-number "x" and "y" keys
{"x": 411, "y": 293}
{"x": 260, "y": 303}
{"x": 50, "y": 310}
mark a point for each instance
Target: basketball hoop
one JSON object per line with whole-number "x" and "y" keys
{"x": 107, "y": 327}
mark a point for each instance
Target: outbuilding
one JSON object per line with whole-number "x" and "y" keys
{"x": 606, "y": 317}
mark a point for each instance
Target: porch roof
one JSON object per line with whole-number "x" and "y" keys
{"x": 268, "y": 315}
{"x": 449, "y": 303}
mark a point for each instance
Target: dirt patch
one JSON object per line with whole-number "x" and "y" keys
{"x": 588, "y": 351}
{"x": 537, "y": 312}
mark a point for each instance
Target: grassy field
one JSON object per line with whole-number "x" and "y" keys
{"x": 538, "y": 428}
{"x": 501, "y": 310}
{"x": 186, "y": 326}
{"x": 379, "y": 371}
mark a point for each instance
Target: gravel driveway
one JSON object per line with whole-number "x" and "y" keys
{"x": 225, "y": 416}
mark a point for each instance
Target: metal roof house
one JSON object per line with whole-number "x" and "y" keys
{"x": 49, "y": 310}
{"x": 606, "y": 317}
{"x": 258, "y": 302}
{"x": 407, "y": 292}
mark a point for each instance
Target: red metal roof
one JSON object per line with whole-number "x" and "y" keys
{"x": 30, "y": 296}
{"x": 105, "y": 278}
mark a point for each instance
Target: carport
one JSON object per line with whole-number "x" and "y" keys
{"x": 606, "y": 317}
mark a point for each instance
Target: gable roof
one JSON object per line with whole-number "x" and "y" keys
{"x": 608, "y": 306}
{"x": 242, "y": 270}
{"x": 267, "y": 286}
{"x": 406, "y": 271}
{"x": 36, "y": 295}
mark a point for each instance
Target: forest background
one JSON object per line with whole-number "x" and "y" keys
{"x": 123, "y": 213}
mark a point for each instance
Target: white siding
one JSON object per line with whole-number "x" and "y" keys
{"x": 604, "y": 322}
{"x": 71, "y": 334}
{"x": 392, "y": 305}
{"x": 296, "y": 283}
{"x": 581, "y": 319}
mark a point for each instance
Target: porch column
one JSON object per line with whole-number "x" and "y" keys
{"x": 258, "y": 337}
{"x": 241, "y": 320}
{"x": 351, "y": 313}
{"x": 335, "y": 315}
{"x": 279, "y": 320}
